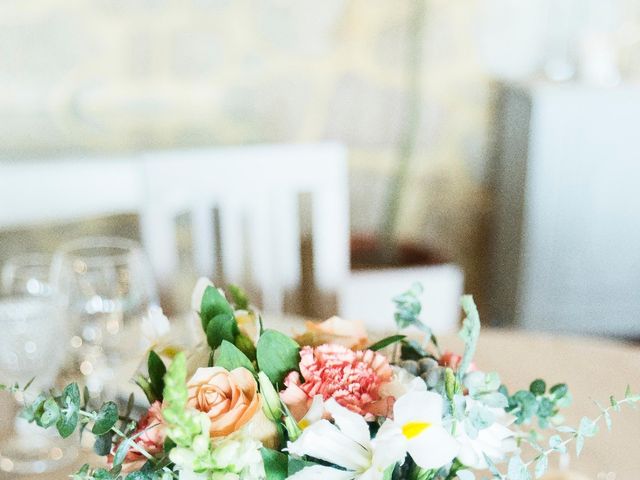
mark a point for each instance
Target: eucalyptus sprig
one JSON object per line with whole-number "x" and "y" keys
{"x": 520, "y": 470}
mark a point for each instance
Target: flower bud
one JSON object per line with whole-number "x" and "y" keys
{"x": 271, "y": 404}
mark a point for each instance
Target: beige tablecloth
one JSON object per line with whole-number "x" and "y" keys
{"x": 594, "y": 369}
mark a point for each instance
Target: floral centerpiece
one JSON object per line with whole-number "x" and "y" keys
{"x": 252, "y": 403}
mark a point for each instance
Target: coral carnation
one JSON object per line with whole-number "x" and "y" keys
{"x": 352, "y": 378}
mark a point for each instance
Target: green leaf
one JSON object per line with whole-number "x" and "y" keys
{"x": 239, "y": 297}
{"x": 276, "y": 464}
{"x": 388, "y": 473}
{"x": 102, "y": 474}
{"x": 538, "y": 387}
{"x": 587, "y": 427}
{"x": 157, "y": 371}
{"x": 559, "y": 390}
{"x": 517, "y": 470}
{"x": 102, "y": 445}
{"x": 628, "y": 394}
{"x": 146, "y": 387}
{"x": 229, "y": 356}
{"x": 614, "y": 403}
{"x": 70, "y": 406}
{"x": 246, "y": 346}
{"x": 579, "y": 444}
{"x": 121, "y": 452}
{"x": 277, "y": 355}
{"x": 556, "y": 443}
{"x": 296, "y": 464}
{"x": 221, "y": 327}
{"x": 31, "y": 412}
{"x": 50, "y": 413}
{"x": 106, "y": 419}
{"x": 469, "y": 333}
{"x": 412, "y": 350}
{"x": 607, "y": 419}
{"x": 213, "y": 303}
{"x": 541, "y": 466}
{"x": 385, "y": 342}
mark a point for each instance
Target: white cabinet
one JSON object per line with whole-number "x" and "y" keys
{"x": 567, "y": 230}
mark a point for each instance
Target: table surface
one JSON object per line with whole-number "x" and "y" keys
{"x": 594, "y": 370}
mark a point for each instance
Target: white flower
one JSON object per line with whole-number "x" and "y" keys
{"x": 417, "y": 416}
{"x": 495, "y": 441}
{"x": 155, "y": 327}
{"x": 314, "y": 414}
{"x": 348, "y": 445}
{"x": 401, "y": 383}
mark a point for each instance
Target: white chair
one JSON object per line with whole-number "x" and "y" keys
{"x": 255, "y": 190}
{"x": 57, "y": 190}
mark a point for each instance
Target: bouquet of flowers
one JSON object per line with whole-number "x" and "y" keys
{"x": 252, "y": 403}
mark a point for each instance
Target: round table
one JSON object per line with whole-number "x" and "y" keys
{"x": 594, "y": 370}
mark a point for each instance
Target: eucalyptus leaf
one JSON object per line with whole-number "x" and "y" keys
{"x": 106, "y": 419}
{"x": 102, "y": 445}
{"x": 50, "y": 413}
{"x": 469, "y": 333}
{"x": 70, "y": 407}
{"x": 542, "y": 465}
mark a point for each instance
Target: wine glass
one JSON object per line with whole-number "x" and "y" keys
{"x": 27, "y": 274}
{"x": 107, "y": 287}
{"x": 31, "y": 347}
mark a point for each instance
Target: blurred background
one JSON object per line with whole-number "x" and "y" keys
{"x": 324, "y": 155}
{"x": 497, "y": 135}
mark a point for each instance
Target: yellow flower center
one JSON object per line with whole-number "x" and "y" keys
{"x": 304, "y": 423}
{"x": 413, "y": 429}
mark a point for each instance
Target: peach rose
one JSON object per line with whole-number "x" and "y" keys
{"x": 229, "y": 398}
{"x": 348, "y": 333}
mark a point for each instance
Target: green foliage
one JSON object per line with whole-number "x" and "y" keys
{"x": 469, "y": 333}
{"x": 222, "y": 327}
{"x": 246, "y": 346}
{"x": 538, "y": 403}
{"x": 102, "y": 445}
{"x": 385, "y": 342}
{"x": 105, "y": 419}
{"x": 157, "y": 371}
{"x": 538, "y": 387}
{"x": 70, "y": 408}
{"x": 238, "y": 297}
{"x": 408, "y": 309}
{"x": 229, "y": 356}
{"x": 277, "y": 355}
{"x": 412, "y": 350}
{"x": 276, "y": 464}
{"x": 213, "y": 303}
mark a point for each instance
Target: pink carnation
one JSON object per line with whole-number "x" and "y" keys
{"x": 151, "y": 439}
{"x": 352, "y": 378}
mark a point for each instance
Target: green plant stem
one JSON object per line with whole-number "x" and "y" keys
{"x": 573, "y": 436}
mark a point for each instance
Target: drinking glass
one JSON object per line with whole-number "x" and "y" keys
{"x": 31, "y": 346}
{"x": 27, "y": 274}
{"x": 107, "y": 287}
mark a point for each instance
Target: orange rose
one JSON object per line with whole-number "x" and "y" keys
{"x": 348, "y": 333}
{"x": 230, "y": 399}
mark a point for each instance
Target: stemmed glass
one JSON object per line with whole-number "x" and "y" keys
{"x": 31, "y": 346}
{"x": 27, "y": 274}
{"x": 107, "y": 287}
